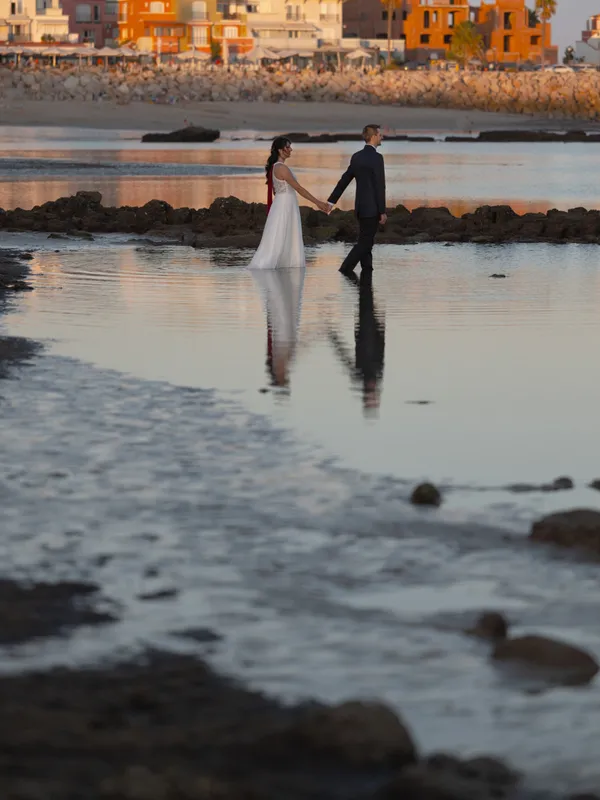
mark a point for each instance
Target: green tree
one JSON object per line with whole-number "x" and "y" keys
{"x": 569, "y": 55}
{"x": 545, "y": 10}
{"x": 216, "y": 50}
{"x": 467, "y": 43}
{"x": 391, "y": 6}
{"x": 534, "y": 20}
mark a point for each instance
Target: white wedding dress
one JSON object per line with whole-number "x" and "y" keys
{"x": 282, "y": 245}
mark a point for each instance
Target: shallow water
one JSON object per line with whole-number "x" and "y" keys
{"x": 140, "y": 453}
{"x": 42, "y": 164}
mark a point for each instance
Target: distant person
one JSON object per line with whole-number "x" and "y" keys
{"x": 367, "y": 168}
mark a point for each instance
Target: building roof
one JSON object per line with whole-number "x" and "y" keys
{"x": 288, "y": 25}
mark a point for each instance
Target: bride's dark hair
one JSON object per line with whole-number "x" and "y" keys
{"x": 278, "y": 144}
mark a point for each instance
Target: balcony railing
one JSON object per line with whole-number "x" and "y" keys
{"x": 199, "y": 16}
{"x": 329, "y": 17}
{"x": 18, "y": 38}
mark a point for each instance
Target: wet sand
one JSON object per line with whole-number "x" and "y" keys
{"x": 264, "y": 117}
{"x": 13, "y": 271}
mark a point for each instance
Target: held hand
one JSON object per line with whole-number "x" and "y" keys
{"x": 383, "y": 219}
{"x": 324, "y": 207}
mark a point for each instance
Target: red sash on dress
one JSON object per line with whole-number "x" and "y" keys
{"x": 269, "y": 190}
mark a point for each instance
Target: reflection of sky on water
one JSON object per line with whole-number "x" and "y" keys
{"x": 504, "y": 363}
{"x": 531, "y": 177}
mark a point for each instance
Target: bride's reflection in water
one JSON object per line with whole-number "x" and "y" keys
{"x": 281, "y": 290}
{"x": 366, "y": 367}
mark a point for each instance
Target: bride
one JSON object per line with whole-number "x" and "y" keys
{"x": 282, "y": 246}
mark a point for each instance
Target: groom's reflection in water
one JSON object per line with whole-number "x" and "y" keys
{"x": 281, "y": 291}
{"x": 366, "y": 368}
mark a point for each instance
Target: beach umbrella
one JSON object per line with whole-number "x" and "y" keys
{"x": 52, "y": 52}
{"x": 127, "y": 52}
{"x": 192, "y": 55}
{"x": 360, "y": 52}
{"x": 258, "y": 53}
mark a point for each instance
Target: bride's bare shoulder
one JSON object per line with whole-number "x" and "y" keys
{"x": 281, "y": 171}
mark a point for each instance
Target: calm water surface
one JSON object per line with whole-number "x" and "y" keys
{"x": 36, "y": 167}
{"x": 143, "y": 452}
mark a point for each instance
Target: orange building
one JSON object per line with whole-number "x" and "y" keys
{"x": 216, "y": 21}
{"x": 510, "y": 31}
{"x": 151, "y": 25}
{"x": 512, "y": 34}
{"x": 428, "y": 27}
{"x": 170, "y": 26}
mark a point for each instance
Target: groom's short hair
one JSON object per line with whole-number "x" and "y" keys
{"x": 369, "y": 131}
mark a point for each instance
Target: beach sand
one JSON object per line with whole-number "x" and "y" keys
{"x": 263, "y": 117}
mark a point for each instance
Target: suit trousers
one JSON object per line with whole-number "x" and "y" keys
{"x": 363, "y": 249}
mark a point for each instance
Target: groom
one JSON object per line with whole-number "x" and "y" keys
{"x": 367, "y": 168}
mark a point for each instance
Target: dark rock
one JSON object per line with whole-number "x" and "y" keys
{"x": 565, "y": 663}
{"x": 44, "y": 609}
{"x": 13, "y": 351}
{"x": 89, "y": 198}
{"x": 497, "y": 275}
{"x": 161, "y": 594}
{"x": 444, "y": 777}
{"x": 190, "y": 134}
{"x": 202, "y": 635}
{"x": 426, "y": 494}
{"x": 491, "y": 625}
{"x": 358, "y": 733}
{"x": 595, "y": 484}
{"x": 578, "y": 528}
{"x": 82, "y": 235}
{"x": 561, "y": 662}
{"x": 558, "y": 485}
{"x": 57, "y": 236}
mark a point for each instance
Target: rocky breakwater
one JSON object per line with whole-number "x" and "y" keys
{"x": 566, "y": 95}
{"x": 230, "y": 222}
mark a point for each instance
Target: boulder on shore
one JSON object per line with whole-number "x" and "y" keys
{"x": 192, "y": 133}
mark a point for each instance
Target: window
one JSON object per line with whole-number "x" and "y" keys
{"x": 13, "y": 9}
{"x": 17, "y": 30}
{"x": 252, "y": 8}
{"x": 157, "y": 7}
{"x": 83, "y": 13}
{"x": 230, "y": 32}
{"x": 424, "y": 38}
{"x": 111, "y": 7}
{"x": 535, "y": 40}
{"x": 96, "y": 13}
{"x": 435, "y": 16}
{"x": 507, "y": 44}
{"x": 123, "y": 13}
{"x": 199, "y": 36}
{"x": 384, "y": 15}
{"x": 451, "y": 19}
{"x": 199, "y": 9}
{"x": 89, "y": 36}
{"x": 448, "y": 38}
{"x": 426, "y": 19}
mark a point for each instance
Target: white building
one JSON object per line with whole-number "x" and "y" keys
{"x": 588, "y": 52}
{"x": 23, "y": 21}
{"x": 301, "y": 25}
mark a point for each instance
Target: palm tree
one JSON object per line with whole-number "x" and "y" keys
{"x": 545, "y": 10}
{"x": 467, "y": 43}
{"x": 391, "y": 5}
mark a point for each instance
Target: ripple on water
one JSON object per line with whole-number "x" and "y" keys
{"x": 324, "y": 581}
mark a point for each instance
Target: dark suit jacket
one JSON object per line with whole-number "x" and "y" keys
{"x": 366, "y": 167}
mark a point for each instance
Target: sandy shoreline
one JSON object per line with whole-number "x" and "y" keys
{"x": 265, "y": 117}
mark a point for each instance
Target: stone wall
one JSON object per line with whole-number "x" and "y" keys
{"x": 568, "y": 95}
